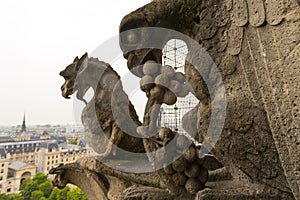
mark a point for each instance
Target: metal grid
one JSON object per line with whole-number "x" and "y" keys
{"x": 174, "y": 54}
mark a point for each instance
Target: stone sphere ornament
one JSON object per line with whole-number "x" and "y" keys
{"x": 146, "y": 83}
{"x": 180, "y": 164}
{"x": 179, "y": 178}
{"x": 169, "y": 98}
{"x": 151, "y": 67}
{"x": 193, "y": 185}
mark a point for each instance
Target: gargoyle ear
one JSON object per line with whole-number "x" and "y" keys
{"x": 76, "y": 59}
{"x": 83, "y": 62}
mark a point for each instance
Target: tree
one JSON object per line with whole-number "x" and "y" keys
{"x": 27, "y": 187}
{"x": 53, "y": 194}
{"x": 73, "y": 142}
{"x": 58, "y": 194}
{"x": 15, "y": 197}
{"x": 62, "y": 194}
{"x": 37, "y": 194}
{"x": 46, "y": 187}
{"x": 39, "y": 188}
{"x": 39, "y": 178}
{"x": 76, "y": 194}
{"x": 3, "y": 197}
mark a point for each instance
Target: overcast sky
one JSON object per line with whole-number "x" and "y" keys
{"x": 37, "y": 40}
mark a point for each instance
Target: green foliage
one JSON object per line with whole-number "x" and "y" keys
{"x": 76, "y": 194}
{"x": 37, "y": 194}
{"x": 58, "y": 194}
{"x": 39, "y": 178}
{"x": 27, "y": 187}
{"x": 73, "y": 142}
{"x": 39, "y": 188}
{"x": 62, "y": 194}
{"x": 15, "y": 197}
{"x": 46, "y": 187}
{"x": 3, "y": 197}
{"x": 53, "y": 194}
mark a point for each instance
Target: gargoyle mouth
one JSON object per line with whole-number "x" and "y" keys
{"x": 67, "y": 91}
{"x": 151, "y": 56}
{"x": 136, "y": 59}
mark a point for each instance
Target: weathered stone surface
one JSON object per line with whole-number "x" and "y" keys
{"x": 104, "y": 132}
{"x": 101, "y": 127}
{"x": 255, "y": 45}
{"x": 259, "y": 142}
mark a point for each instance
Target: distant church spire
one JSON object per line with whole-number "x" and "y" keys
{"x": 23, "y": 129}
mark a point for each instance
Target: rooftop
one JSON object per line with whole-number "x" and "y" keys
{"x": 17, "y": 165}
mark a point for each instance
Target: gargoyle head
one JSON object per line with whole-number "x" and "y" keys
{"x": 70, "y": 73}
{"x": 137, "y": 50}
{"x": 144, "y": 32}
{"x": 137, "y": 44}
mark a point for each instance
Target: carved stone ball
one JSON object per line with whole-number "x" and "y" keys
{"x": 193, "y": 185}
{"x": 191, "y": 154}
{"x": 184, "y": 91}
{"x": 179, "y": 77}
{"x": 193, "y": 170}
{"x": 169, "y": 98}
{"x": 150, "y": 67}
{"x": 168, "y": 70}
{"x": 180, "y": 164}
{"x": 146, "y": 83}
{"x": 175, "y": 86}
{"x": 179, "y": 179}
{"x": 162, "y": 80}
{"x": 203, "y": 175}
{"x": 169, "y": 169}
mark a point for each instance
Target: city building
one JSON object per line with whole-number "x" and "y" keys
{"x": 20, "y": 160}
{"x": 3, "y": 170}
{"x": 71, "y": 155}
{"x": 39, "y": 149}
{"x": 48, "y": 156}
{"x": 17, "y": 172}
{"x": 23, "y": 151}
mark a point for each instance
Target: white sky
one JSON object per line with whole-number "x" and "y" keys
{"x": 38, "y": 39}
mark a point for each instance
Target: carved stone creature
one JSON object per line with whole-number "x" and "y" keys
{"x": 171, "y": 181}
{"x": 255, "y": 45}
{"x": 101, "y": 129}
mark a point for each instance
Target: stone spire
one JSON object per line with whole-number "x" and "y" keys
{"x": 23, "y": 129}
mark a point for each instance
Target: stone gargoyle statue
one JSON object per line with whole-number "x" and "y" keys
{"x": 100, "y": 178}
{"x": 255, "y": 47}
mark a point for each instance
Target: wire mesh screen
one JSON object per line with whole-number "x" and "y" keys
{"x": 174, "y": 54}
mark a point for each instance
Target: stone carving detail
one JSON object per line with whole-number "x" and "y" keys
{"x": 255, "y": 45}
{"x": 182, "y": 178}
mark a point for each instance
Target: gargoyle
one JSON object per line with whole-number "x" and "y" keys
{"x": 179, "y": 178}
{"x": 255, "y": 45}
{"x": 97, "y": 116}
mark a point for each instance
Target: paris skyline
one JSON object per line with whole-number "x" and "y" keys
{"x": 38, "y": 40}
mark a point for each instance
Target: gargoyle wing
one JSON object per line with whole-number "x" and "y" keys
{"x": 264, "y": 36}
{"x": 255, "y": 44}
